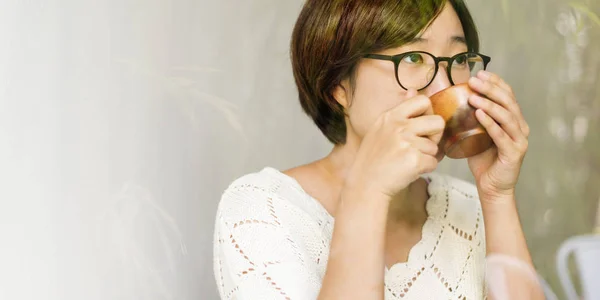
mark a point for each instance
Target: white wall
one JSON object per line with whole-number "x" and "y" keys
{"x": 120, "y": 123}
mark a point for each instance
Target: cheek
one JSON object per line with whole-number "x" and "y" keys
{"x": 368, "y": 104}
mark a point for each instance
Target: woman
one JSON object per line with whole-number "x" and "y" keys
{"x": 370, "y": 220}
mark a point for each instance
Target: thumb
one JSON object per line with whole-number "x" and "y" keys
{"x": 411, "y": 93}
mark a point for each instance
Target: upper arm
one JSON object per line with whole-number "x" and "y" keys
{"x": 256, "y": 256}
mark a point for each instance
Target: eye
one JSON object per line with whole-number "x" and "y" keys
{"x": 461, "y": 60}
{"x": 413, "y": 58}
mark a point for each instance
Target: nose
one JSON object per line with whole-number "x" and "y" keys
{"x": 440, "y": 81}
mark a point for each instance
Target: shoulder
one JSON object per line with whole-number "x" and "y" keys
{"x": 264, "y": 195}
{"x": 259, "y": 251}
{"x": 249, "y": 195}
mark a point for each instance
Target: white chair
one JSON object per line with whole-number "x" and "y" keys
{"x": 586, "y": 252}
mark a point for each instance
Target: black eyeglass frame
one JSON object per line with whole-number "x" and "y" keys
{"x": 396, "y": 59}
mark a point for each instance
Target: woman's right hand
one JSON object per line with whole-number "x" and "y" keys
{"x": 399, "y": 147}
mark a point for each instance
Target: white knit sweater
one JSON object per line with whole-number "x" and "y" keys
{"x": 272, "y": 241}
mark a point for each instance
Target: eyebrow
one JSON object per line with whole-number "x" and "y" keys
{"x": 417, "y": 40}
{"x": 453, "y": 40}
{"x": 459, "y": 39}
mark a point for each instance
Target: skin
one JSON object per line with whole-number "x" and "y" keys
{"x": 372, "y": 184}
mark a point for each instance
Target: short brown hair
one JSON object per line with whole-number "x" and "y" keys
{"x": 331, "y": 36}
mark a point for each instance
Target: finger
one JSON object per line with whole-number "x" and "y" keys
{"x": 412, "y": 107}
{"x": 431, "y": 126}
{"x": 514, "y": 107}
{"x": 492, "y": 92}
{"x": 424, "y": 145}
{"x": 427, "y": 163}
{"x": 413, "y": 93}
{"x": 501, "y": 139}
{"x": 495, "y": 79}
{"x": 501, "y": 115}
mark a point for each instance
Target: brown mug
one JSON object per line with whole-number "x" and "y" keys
{"x": 463, "y": 136}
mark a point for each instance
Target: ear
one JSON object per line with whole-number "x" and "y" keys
{"x": 341, "y": 94}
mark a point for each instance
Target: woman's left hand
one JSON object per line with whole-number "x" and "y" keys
{"x": 496, "y": 170}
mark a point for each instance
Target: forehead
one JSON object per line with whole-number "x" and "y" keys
{"x": 446, "y": 26}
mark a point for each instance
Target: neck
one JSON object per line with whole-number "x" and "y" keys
{"x": 409, "y": 205}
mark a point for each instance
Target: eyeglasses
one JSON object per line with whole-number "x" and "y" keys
{"x": 417, "y": 69}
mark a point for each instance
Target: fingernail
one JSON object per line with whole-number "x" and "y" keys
{"x": 476, "y": 81}
{"x": 484, "y": 74}
{"x": 475, "y": 99}
{"x": 481, "y": 113}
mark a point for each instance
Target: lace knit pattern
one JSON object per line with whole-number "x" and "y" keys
{"x": 272, "y": 239}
